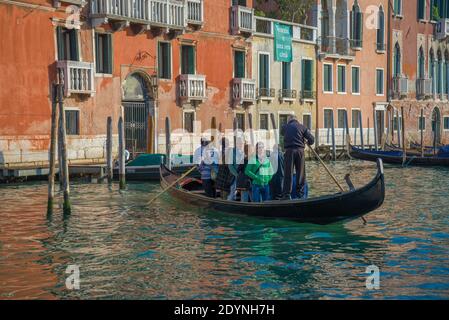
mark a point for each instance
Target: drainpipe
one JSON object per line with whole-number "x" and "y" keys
{"x": 390, "y": 34}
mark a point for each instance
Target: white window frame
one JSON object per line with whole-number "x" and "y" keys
{"x": 332, "y": 78}
{"x": 79, "y": 119}
{"x": 399, "y": 122}
{"x": 445, "y": 130}
{"x": 355, "y": 109}
{"x": 184, "y": 119}
{"x": 400, "y": 15}
{"x": 291, "y": 75}
{"x": 324, "y": 118}
{"x": 311, "y": 119}
{"x": 338, "y": 109}
{"x": 97, "y": 74}
{"x": 259, "y": 53}
{"x": 345, "y": 78}
{"x": 425, "y": 123}
{"x": 171, "y": 60}
{"x": 263, "y": 113}
{"x": 360, "y": 89}
{"x": 244, "y": 60}
{"x": 383, "y": 83}
{"x": 425, "y": 19}
{"x": 180, "y": 56}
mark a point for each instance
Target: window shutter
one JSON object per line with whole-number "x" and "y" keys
{"x": 360, "y": 28}
{"x": 60, "y": 43}
{"x": 191, "y": 59}
{"x": 307, "y": 75}
{"x": 108, "y": 54}
{"x": 74, "y": 50}
{"x": 97, "y": 53}
{"x": 351, "y": 24}
{"x": 160, "y": 60}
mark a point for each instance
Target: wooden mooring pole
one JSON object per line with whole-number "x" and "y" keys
{"x": 64, "y": 165}
{"x": 422, "y": 132}
{"x": 121, "y": 153}
{"x": 404, "y": 147}
{"x": 109, "y": 168}
{"x": 334, "y": 146}
{"x": 52, "y": 155}
{"x": 361, "y": 129}
{"x": 167, "y": 143}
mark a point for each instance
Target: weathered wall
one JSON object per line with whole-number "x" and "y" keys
{"x": 298, "y": 107}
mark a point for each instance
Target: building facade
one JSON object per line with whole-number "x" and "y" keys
{"x": 420, "y": 70}
{"x": 351, "y": 69}
{"x": 284, "y": 87}
{"x": 144, "y": 59}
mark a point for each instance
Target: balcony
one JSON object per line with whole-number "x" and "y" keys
{"x": 356, "y": 44}
{"x": 338, "y": 48}
{"x": 77, "y": 76}
{"x": 264, "y": 27}
{"x": 308, "y": 95}
{"x": 381, "y": 47}
{"x": 243, "y": 90}
{"x": 192, "y": 87}
{"x": 242, "y": 20}
{"x": 442, "y": 29}
{"x": 400, "y": 87}
{"x": 287, "y": 95}
{"x": 158, "y": 13}
{"x": 195, "y": 12}
{"x": 423, "y": 88}
{"x": 265, "y": 93}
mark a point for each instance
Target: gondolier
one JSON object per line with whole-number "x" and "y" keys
{"x": 296, "y": 136}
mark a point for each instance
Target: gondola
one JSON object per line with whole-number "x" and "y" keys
{"x": 322, "y": 210}
{"x": 396, "y": 157}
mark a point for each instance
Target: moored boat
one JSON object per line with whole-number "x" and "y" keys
{"x": 321, "y": 210}
{"x": 396, "y": 157}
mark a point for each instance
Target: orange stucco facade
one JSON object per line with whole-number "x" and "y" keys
{"x": 28, "y": 55}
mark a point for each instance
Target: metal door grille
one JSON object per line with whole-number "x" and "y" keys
{"x": 136, "y": 127}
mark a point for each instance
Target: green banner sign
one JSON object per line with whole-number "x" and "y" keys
{"x": 282, "y": 42}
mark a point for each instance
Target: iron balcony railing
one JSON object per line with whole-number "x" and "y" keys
{"x": 243, "y": 90}
{"x": 265, "y": 93}
{"x": 195, "y": 12}
{"x": 423, "y": 88}
{"x": 381, "y": 46}
{"x": 308, "y": 95}
{"x": 164, "y": 13}
{"x": 356, "y": 43}
{"x": 264, "y": 27}
{"x": 400, "y": 86}
{"x": 192, "y": 87}
{"x": 335, "y": 46}
{"x": 287, "y": 94}
{"x": 77, "y": 76}
{"x": 242, "y": 20}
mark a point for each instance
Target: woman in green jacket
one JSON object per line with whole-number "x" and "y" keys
{"x": 260, "y": 170}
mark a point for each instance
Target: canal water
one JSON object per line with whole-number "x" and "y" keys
{"x": 125, "y": 249}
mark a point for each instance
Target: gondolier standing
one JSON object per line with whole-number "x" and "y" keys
{"x": 296, "y": 135}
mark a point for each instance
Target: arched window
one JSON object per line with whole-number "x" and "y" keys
{"x": 421, "y": 64}
{"x": 356, "y": 26}
{"x": 397, "y": 60}
{"x": 381, "y": 30}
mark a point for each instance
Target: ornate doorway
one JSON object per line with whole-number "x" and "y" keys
{"x": 139, "y": 115}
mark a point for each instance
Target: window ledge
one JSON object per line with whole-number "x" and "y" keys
{"x": 423, "y": 20}
{"x": 381, "y": 51}
{"x": 328, "y": 92}
{"x": 355, "y": 93}
{"x": 103, "y": 75}
{"x": 398, "y": 16}
{"x": 342, "y": 93}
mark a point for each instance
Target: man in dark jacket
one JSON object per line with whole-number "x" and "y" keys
{"x": 296, "y": 136}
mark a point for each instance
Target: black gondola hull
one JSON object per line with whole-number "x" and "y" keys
{"x": 322, "y": 210}
{"x": 410, "y": 160}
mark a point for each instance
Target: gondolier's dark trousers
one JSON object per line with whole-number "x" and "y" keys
{"x": 294, "y": 157}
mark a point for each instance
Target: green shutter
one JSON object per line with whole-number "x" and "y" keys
{"x": 286, "y": 76}
{"x": 97, "y": 53}
{"x": 160, "y": 60}
{"x": 239, "y": 64}
{"x": 60, "y": 43}
{"x": 74, "y": 49}
{"x": 109, "y": 54}
{"x": 307, "y": 75}
{"x": 191, "y": 54}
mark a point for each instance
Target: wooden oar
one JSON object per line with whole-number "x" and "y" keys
{"x": 327, "y": 169}
{"x": 171, "y": 185}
